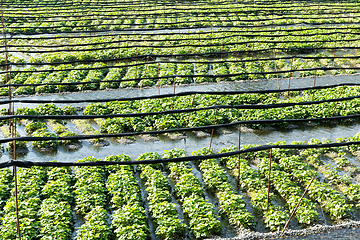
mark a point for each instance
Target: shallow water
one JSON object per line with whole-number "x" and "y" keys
{"x": 227, "y": 86}
{"x": 299, "y": 133}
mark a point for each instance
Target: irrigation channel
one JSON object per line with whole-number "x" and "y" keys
{"x": 179, "y": 120}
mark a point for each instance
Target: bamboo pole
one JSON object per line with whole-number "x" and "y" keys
{"x": 268, "y": 193}
{"x": 292, "y": 214}
{"x": 172, "y": 105}
{"x": 313, "y": 92}
{"x": 13, "y": 122}
{"x": 239, "y": 154}
{"x": 212, "y": 130}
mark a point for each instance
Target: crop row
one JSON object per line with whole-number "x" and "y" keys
{"x": 217, "y": 182}
{"x": 332, "y": 173}
{"x": 40, "y": 129}
{"x": 128, "y": 218}
{"x": 209, "y": 45}
{"x": 200, "y": 213}
{"x": 6, "y": 130}
{"x": 290, "y": 170}
{"x": 90, "y": 201}
{"x": 217, "y": 35}
{"x": 30, "y": 184}
{"x": 180, "y": 22}
{"x": 56, "y": 217}
{"x": 183, "y": 120}
{"x": 255, "y": 186}
{"x": 155, "y": 74}
{"x": 163, "y": 211}
{"x": 45, "y": 199}
{"x": 207, "y": 117}
{"x": 328, "y": 198}
{"x": 44, "y": 192}
{"x": 202, "y": 117}
{"x": 163, "y": 10}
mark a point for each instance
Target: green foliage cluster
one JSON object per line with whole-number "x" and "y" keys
{"x": 163, "y": 211}
{"x": 129, "y": 221}
{"x": 203, "y": 221}
{"x": 30, "y": 184}
{"x": 231, "y": 203}
{"x": 90, "y": 201}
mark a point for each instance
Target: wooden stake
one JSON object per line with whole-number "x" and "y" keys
{"x": 268, "y": 194}
{"x": 192, "y": 104}
{"x": 291, "y": 68}
{"x": 239, "y": 154}
{"x": 212, "y": 130}
{"x": 16, "y": 203}
{"x": 172, "y": 107}
{"x": 13, "y": 123}
{"x": 356, "y": 52}
{"x": 313, "y": 92}
{"x": 292, "y": 214}
{"x": 277, "y": 75}
{"x": 334, "y": 50}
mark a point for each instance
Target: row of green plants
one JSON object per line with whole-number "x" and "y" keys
{"x": 90, "y": 201}
{"x": 45, "y": 199}
{"x": 332, "y": 173}
{"x": 211, "y": 44}
{"x": 251, "y": 182}
{"x": 216, "y": 181}
{"x": 234, "y": 39}
{"x": 157, "y": 75}
{"x": 322, "y": 192}
{"x": 207, "y": 117}
{"x": 218, "y": 19}
{"x": 199, "y": 9}
{"x": 31, "y": 182}
{"x": 201, "y": 118}
{"x": 6, "y": 130}
{"x": 56, "y": 216}
{"x": 129, "y": 220}
{"x": 47, "y": 196}
{"x": 200, "y": 213}
{"x": 64, "y": 76}
{"x": 351, "y": 191}
{"x": 282, "y": 182}
{"x": 164, "y": 213}
{"x": 85, "y": 128}
{"x": 40, "y": 129}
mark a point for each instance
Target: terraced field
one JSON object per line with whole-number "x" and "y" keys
{"x": 178, "y": 119}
